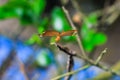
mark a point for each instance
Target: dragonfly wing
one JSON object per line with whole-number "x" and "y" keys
{"x": 68, "y": 33}
{"x": 49, "y": 33}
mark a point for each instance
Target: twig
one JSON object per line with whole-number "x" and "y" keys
{"x": 108, "y": 75}
{"x": 70, "y": 61}
{"x": 91, "y": 62}
{"x": 110, "y": 13}
{"x": 73, "y": 26}
{"x": 22, "y": 68}
{"x": 7, "y": 63}
{"x": 70, "y": 64}
{"x": 66, "y": 50}
{"x": 98, "y": 65}
{"x": 101, "y": 55}
{"x": 70, "y": 73}
{"x": 113, "y": 17}
{"x": 104, "y": 11}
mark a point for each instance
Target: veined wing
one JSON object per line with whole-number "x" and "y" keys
{"x": 68, "y": 33}
{"x": 49, "y": 33}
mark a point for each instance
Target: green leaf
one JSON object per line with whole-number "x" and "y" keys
{"x": 43, "y": 25}
{"x": 33, "y": 39}
{"x": 59, "y": 20}
{"x": 38, "y": 6}
{"x": 89, "y": 47}
{"x": 27, "y": 11}
{"x": 41, "y": 29}
{"x": 69, "y": 38}
{"x": 90, "y": 37}
{"x": 6, "y": 12}
{"x": 92, "y": 18}
{"x": 99, "y": 39}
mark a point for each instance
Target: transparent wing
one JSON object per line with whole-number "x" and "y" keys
{"x": 49, "y": 33}
{"x": 68, "y": 33}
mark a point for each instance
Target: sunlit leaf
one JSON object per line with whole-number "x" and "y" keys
{"x": 90, "y": 37}
{"x": 27, "y": 11}
{"x": 59, "y": 20}
{"x": 33, "y": 39}
{"x": 99, "y": 39}
{"x": 38, "y": 6}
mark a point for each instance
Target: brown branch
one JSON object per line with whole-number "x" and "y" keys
{"x": 73, "y": 26}
{"x": 7, "y": 63}
{"x": 22, "y": 68}
{"x": 66, "y": 50}
{"x": 91, "y": 62}
{"x": 101, "y": 55}
{"x": 71, "y": 72}
{"x": 70, "y": 61}
{"x": 107, "y": 75}
{"x": 70, "y": 64}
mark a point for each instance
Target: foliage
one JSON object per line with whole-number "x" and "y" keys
{"x": 90, "y": 35}
{"x": 27, "y": 11}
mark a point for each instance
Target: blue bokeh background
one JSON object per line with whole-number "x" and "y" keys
{"x": 27, "y": 55}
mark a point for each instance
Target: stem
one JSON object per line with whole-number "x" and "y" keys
{"x": 70, "y": 64}
{"x": 101, "y": 55}
{"x": 90, "y": 61}
{"x": 22, "y": 68}
{"x": 73, "y": 26}
{"x": 70, "y": 73}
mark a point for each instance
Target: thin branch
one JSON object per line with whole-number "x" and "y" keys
{"x": 91, "y": 62}
{"x": 98, "y": 65}
{"x": 71, "y": 73}
{"x": 70, "y": 64}
{"x": 65, "y": 49}
{"x": 107, "y": 75}
{"x": 101, "y": 55}
{"x": 22, "y": 68}
{"x": 73, "y": 26}
{"x": 7, "y": 63}
{"x": 70, "y": 61}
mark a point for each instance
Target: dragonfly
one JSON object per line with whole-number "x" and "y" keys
{"x": 58, "y": 35}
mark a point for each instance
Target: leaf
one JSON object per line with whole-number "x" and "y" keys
{"x": 92, "y": 18}
{"x": 33, "y": 39}
{"x": 59, "y": 20}
{"x": 41, "y": 29}
{"x": 27, "y": 11}
{"x": 89, "y": 47}
{"x": 68, "y": 38}
{"x": 38, "y": 6}
{"x": 99, "y": 39}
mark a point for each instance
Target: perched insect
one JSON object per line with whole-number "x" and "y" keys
{"x": 58, "y": 35}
